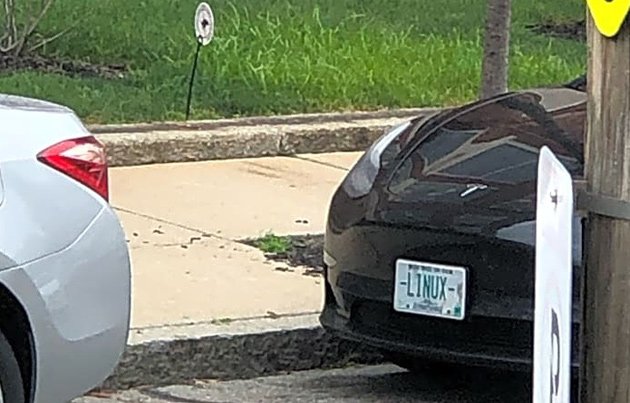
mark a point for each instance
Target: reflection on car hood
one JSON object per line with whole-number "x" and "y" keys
{"x": 474, "y": 169}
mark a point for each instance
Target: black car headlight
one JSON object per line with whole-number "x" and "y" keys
{"x": 360, "y": 179}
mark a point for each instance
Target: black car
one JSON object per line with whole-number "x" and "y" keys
{"x": 429, "y": 245}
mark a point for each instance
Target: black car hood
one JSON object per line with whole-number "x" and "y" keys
{"x": 473, "y": 169}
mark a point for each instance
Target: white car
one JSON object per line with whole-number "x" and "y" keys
{"x": 64, "y": 263}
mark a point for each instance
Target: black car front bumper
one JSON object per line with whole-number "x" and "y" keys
{"x": 504, "y": 343}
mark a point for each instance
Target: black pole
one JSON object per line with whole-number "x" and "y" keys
{"x": 192, "y": 78}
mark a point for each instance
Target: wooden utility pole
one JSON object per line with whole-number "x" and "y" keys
{"x": 605, "y": 359}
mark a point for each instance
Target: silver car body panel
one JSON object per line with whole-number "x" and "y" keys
{"x": 63, "y": 254}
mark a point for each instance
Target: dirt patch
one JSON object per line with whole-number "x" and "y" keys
{"x": 573, "y": 30}
{"x": 304, "y": 251}
{"x": 72, "y": 68}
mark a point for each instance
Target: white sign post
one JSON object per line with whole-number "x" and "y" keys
{"x": 204, "y": 32}
{"x": 204, "y": 24}
{"x": 554, "y": 282}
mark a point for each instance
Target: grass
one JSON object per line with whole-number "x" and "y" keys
{"x": 221, "y": 321}
{"x": 274, "y": 244}
{"x": 288, "y": 56}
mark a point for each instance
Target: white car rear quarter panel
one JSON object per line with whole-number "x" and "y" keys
{"x": 63, "y": 254}
{"x": 38, "y": 200}
{"x": 78, "y": 302}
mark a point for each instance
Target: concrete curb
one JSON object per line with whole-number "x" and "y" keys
{"x": 171, "y": 142}
{"x": 246, "y": 348}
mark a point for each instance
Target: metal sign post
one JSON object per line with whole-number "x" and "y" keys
{"x": 204, "y": 33}
{"x": 554, "y": 282}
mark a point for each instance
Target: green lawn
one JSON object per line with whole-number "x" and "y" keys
{"x": 286, "y": 56}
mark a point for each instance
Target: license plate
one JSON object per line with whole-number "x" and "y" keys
{"x": 430, "y": 289}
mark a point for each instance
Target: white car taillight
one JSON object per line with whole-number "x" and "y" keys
{"x": 83, "y": 159}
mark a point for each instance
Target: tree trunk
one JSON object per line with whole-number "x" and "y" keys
{"x": 494, "y": 73}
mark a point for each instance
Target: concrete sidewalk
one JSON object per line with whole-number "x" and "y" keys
{"x": 183, "y": 223}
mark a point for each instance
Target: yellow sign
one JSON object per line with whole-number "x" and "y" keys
{"x": 609, "y": 15}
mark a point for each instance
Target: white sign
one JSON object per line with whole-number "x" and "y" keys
{"x": 204, "y": 24}
{"x": 553, "y": 310}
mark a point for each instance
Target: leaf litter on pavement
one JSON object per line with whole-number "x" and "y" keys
{"x": 293, "y": 250}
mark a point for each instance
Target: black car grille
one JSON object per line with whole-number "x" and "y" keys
{"x": 377, "y": 317}
{"x": 477, "y": 333}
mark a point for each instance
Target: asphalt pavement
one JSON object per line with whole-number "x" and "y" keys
{"x": 385, "y": 383}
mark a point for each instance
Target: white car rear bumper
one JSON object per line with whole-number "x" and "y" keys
{"x": 78, "y": 302}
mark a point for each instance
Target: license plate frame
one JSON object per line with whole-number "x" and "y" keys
{"x": 415, "y": 280}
